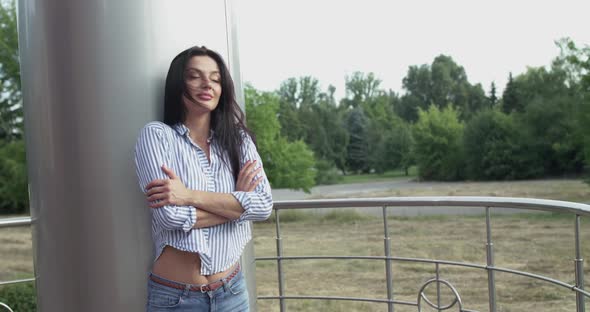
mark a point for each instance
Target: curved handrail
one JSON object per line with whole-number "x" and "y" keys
{"x": 3, "y": 305}
{"x": 434, "y": 201}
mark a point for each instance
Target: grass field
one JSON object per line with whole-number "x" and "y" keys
{"x": 537, "y": 243}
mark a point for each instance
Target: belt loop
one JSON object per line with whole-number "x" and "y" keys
{"x": 187, "y": 289}
{"x": 224, "y": 283}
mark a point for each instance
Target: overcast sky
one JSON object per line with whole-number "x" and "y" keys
{"x": 329, "y": 39}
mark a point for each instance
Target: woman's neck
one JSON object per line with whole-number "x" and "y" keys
{"x": 199, "y": 127}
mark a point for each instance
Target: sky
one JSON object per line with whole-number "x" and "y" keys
{"x": 328, "y": 39}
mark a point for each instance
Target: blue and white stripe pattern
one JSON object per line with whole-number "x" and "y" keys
{"x": 219, "y": 246}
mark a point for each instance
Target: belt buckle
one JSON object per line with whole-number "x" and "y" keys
{"x": 203, "y": 288}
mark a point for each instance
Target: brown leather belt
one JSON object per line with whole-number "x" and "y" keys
{"x": 202, "y": 288}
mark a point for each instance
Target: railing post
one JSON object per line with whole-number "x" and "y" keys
{"x": 437, "y": 287}
{"x": 490, "y": 263}
{"x": 279, "y": 262}
{"x": 579, "y": 265}
{"x": 386, "y": 241}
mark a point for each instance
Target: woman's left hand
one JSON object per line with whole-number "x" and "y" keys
{"x": 163, "y": 192}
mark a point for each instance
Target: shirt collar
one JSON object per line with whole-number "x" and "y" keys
{"x": 184, "y": 131}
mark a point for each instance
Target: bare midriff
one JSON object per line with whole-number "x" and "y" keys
{"x": 184, "y": 267}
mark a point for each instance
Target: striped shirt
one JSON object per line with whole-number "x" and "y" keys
{"x": 219, "y": 246}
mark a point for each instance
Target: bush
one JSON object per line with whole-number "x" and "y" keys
{"x": 494, "y": 150}
{"x": 287, "y": 164}
{"x": 14, "y": 196}
{"x": 438, "y": 149}
{"x": 19, "y": 297}
{"x": 326, "y": 173}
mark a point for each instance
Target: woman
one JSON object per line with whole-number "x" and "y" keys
{"x": 203, "y": 179}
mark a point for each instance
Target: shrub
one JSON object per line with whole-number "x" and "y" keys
{"x": 438, "y": 148}
{"x": 494, "y": 149}
{"x": 14, "y": 196}
{"x": 19, "y": 297}
{"x": 326, "y": 173}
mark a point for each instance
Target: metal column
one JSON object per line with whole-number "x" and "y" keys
{"x": 490, "y": 263}
{"x": 93, "y": 74}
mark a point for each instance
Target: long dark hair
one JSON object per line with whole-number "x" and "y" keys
{"x": 227, "y": 119}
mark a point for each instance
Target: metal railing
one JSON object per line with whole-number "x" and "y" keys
{"x": 7, "y": 223}
{"x": 488, "y": 203}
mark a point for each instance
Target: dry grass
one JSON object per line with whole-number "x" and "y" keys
{"x": 16, "y": 253}
{"x": 535, "y": 243}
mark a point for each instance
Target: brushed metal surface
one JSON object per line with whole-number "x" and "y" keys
{"x": 93, "y": 74}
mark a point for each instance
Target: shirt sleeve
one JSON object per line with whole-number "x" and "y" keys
{"x": 151, "y": 152}
{"x": 258, "y": 203}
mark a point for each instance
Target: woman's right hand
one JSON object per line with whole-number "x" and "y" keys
{"x": 247, "y": 180}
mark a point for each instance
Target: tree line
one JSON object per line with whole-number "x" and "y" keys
{"x": 449, "y": 128}
{"x": 13, "y": 176}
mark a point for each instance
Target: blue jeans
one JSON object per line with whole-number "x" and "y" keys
{"x": 231, "y": 297}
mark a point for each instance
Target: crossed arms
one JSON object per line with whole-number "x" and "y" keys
{"x": 177, "y": 207}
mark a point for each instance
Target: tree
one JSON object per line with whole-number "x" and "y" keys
{"x": 300, "y": 92}
{"x": 387, "y": 134}
{"x": 408, "y": 106}
{"x": 493, "y": 98}
{"x": 327, "y": 135}
{"x": 551, "y": 125}
{"x": 389, "y": 145}
{"x": 438, "y": 147}
{"x": 360, "y": 88}
{"x": 476, "y": 101}
{"x": 13, "y": 177}
{"x": 358, "y": 149}
{"x": 14, "y": 196}
{"x": 495, "y": 148}
{"x": 11, "y": 114}
{"x": 297, "y": 97}
{"x": 417, "y": 84}
{"x": 440, "y": 84}
{"x": 448, "y": 82}
{"x": 287, "y": 164}
{"x": 574, "y": 61}
{"x": 510, "y": 100}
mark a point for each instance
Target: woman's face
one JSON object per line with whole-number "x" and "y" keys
{"x": 203, "y": 83}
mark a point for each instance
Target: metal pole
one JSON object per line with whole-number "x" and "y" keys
{"x": 279, "y": 262}
{"x": 247, "y": 262}
{"x": 490, "y": 263}
{"x": 579, "y": 266}
{"x": 92, "y": 75}
{"x": 437, "y": 287}
{"x": 388, "y": 275}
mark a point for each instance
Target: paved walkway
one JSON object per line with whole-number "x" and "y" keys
{"x": 340, "y": 190}
{"x": 343, "y": 189}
